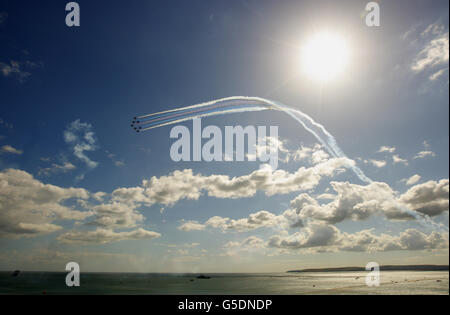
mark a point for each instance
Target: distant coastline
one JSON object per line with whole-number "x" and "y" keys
{"x": 384, "y": 268}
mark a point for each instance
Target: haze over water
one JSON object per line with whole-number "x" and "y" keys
{"x": 330, "y": 283}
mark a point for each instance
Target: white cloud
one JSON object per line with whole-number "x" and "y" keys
{"x": 319, "y": 156}
{"x": 103, "y": 236}
{"x": 386, "y": 149}
{"x": 302, "y": 153}
{"x": 28, "y": 207}
{"x": 57, "y": 168}
{"x": 397, "y": 159}
{"x": 82, "y": 139}
{"x": 412, "y": 180}
{"x": 424, "y": 154}
{"x": 351, "y": 202}
{"x": 378, "y": 163}
{"x": 130, "y": 195}
{"x": 271, "y": 144}
{"x": 191, "y": 226}
{"x": 118, "y": 210}
{"x": 313, "y": 235}
{"x": 99, "y": 196}
{"x": 253, "y": 221}
{"x": 116, "y": 215}
{"x": 168, "y": 190}
{"x": 10, "y": 150}
{"x": 357, "y": 202}
{"x": 410, "y": 239}
{"x": 247, "y": 243}
{"x": 438, "y": 74}
{"x": 314, "y": 154}
{"x": 430, "y": 198}
{"x": 435, "y": 55}
{"x": 322, "y": 237}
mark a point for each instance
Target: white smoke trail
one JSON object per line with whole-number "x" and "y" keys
{"x": 237, "y": 104}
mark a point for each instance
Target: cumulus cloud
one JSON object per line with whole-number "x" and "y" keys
{"x": 28, "y": 207}
{"x": 314, "y": 154}
{"x": 130, "y": 194}
{"x": 103, "y": 236}
{"x": 323, "y": 237}
{"x": 315, "y": 221}
{"x": 351, "y": 202}
{"x": 269, "y": 144}
{"x": 10, "y": 150}
{"x": 355, "y": 202}
{"x": 430, "y": 198}
{"x": 116, "y": 215}
{"x": 168, "y": 190}
{"x": 119, "y": 209}
{"x": 81, "y": 138}
{"x": 410, "y": 239}
{"x": 313, "y": 235}
{"x": 253, "y": 221}
{"x": 424, "y": 154}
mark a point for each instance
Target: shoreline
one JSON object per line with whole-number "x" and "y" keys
{"x": 384, "y": 268}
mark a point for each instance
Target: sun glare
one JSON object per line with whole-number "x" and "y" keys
{"x": 325, "y": 56}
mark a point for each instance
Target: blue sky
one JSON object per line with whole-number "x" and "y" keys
{"x": 68, "y": 96}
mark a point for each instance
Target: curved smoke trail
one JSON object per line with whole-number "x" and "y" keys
{"x": 242, "y": 104}
{"x": 236, "y": 104}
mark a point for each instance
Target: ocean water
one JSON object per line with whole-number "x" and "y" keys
{"x": 392, "y": 282}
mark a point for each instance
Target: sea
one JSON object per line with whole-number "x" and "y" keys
{"x": 314, "y": 283}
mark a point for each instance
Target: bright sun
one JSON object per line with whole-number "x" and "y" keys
{"x": 325, "y": 56}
